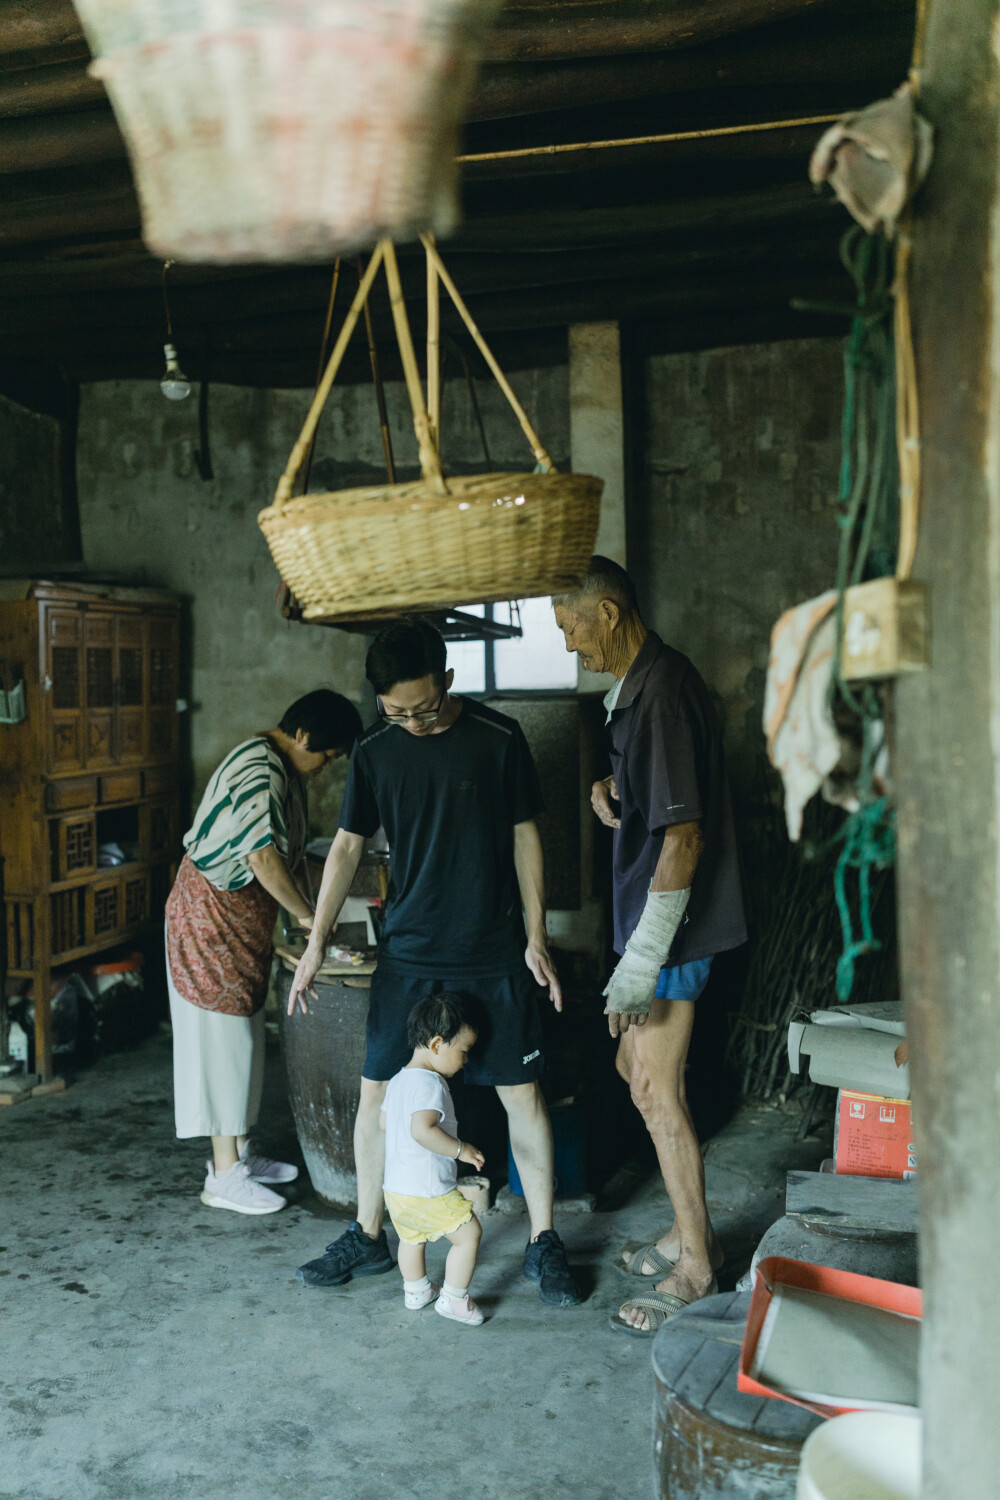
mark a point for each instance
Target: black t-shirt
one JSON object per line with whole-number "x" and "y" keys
{"x": 666, "y": 755}
{"x": 448, "y": 803}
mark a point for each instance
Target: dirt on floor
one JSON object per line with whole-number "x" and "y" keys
{"x": 156, "y": 1349}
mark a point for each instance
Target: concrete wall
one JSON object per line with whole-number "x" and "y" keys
{"x": 145, "y": 510}
{"x": 736, "y": 520}
{"x": 38, "y": 523}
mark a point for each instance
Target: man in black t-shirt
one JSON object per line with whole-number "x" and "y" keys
{"x": 678, "y": 902}
{"x": 454, "y": 786}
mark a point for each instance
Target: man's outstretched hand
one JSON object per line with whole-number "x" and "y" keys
{"x": 302, "y": 981}
{"x": 602, "y": 794}
{"x": 540, "y": 963}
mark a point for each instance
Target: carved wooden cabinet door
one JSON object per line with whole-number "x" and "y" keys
{"x": 99, "y": 656}
{"x": 163, "y": 677}
{"x": 130, "y": 688}
{"x": 63, "y": 685}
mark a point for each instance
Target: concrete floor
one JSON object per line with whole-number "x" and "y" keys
{"x": 154, "y": 1349}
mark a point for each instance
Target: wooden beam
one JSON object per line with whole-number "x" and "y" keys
{"x": 110, "y": 205}
{"x": 811, "y": 50}
{"x": 58, "y": 86}
{"x": 533, "y": 30}
{"x": 42, "y": 217}
{"x": 525, "y": 349}
{"x": 511, "y": 311}
{"x": 33, "y": 27}
{"x": 62, "y": 140}
{"x": 527, "y": 30}
{"x": 814, "y": 49}
{"x": 201, "y": 296}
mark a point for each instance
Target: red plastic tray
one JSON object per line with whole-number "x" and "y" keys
{"x": 778, "y": 1270}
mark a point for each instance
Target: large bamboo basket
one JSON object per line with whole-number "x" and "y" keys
{"x": 264, "y": 130}
{"x": 438, "y": 541}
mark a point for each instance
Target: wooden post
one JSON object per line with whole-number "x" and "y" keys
{"x": 948, "y": 757}
{"x": 41, "y": 984}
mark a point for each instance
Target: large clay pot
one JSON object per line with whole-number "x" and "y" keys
{"x": 324, "y": 1052}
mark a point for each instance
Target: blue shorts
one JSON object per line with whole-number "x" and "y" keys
{"x": 683, "y": 981}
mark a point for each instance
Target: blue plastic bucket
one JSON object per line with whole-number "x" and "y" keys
{"x": 570, "y": 1155}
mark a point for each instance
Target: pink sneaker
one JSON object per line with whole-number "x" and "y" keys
{"x": 237, "y": 1190}
{"x": 416, "y": 1300}
{"x": 462, "y": 1310}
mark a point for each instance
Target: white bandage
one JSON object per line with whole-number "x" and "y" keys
{"x": 632, "y": 986}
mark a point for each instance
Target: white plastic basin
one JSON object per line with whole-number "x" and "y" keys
{"x": 865, "y": 1455}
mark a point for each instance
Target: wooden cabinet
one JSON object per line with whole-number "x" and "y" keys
{"x": 94, "y": 763}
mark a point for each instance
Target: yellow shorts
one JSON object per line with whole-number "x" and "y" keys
{"x": 417, "y": 1220}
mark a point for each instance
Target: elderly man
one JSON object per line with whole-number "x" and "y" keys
{"x": 677, "y": 903}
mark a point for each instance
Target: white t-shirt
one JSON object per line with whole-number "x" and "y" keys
{"x": 409, "y": 1167}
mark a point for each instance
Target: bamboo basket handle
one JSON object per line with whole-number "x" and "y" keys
{"x": 433, "y": 351}
{"x": 536, "y": 446}
{"x": 430, "y": 462}
{"x": 907, "y": 413}
{"x": 286, "y": 484}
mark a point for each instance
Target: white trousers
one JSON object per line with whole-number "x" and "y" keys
{"x": 218, "y": 1069}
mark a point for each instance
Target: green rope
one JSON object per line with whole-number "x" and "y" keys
{"x": 868, "y": 517}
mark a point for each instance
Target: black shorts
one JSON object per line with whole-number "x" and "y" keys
{"x": 503, "y": 1010}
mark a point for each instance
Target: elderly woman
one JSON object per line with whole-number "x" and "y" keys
{"x": 243, "y": 861}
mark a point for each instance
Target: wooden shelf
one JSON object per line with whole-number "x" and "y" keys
{"x": 100, "y": 669}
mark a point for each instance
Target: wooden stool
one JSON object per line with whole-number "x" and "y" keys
{"x": 711, "y": 1442}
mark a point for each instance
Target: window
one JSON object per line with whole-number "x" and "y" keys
{"x": 533, "y": 661}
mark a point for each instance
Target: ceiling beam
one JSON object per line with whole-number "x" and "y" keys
{"x": 57, "y": 86}
{"x": 526, "y": 30}
{"x": 545, "y": 30}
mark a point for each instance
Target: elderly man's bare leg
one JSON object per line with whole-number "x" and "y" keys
{"x": 651, "y": 1059}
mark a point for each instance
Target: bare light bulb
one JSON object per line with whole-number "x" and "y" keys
{"x": 174, "y": 384}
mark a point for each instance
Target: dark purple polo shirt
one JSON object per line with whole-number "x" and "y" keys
{"x": 667, "y": 759}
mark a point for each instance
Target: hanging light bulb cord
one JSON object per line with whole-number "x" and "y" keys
{"x": 166, "y": 301}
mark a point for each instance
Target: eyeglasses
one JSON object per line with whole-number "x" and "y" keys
{"x": 428, "y": 716}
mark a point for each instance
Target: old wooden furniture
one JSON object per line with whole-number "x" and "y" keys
{"x": 93, "y": 762}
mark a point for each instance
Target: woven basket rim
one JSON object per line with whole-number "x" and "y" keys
{"x": 418, "y": 491}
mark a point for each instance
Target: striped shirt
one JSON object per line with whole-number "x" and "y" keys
{"x": 250, "y": 802}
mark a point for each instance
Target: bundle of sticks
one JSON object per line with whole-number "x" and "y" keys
{"x": 796, "y": 943}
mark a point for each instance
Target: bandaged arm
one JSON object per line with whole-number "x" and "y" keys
{"x": 632, "y": 986}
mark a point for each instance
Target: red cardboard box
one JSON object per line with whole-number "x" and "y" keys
{"x": 874, "y": 1136}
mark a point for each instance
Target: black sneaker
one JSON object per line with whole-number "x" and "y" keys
{"x": 545, "y": 1262}
{"x": 354, "y": 1254}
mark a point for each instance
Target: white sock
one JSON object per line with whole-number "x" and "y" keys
{"x": 423, "y": 1285}
{"x": 457, "y": 1293}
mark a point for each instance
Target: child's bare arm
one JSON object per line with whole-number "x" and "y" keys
{"x": 426, "y": 1131}
{"x": 381, "y": 1119}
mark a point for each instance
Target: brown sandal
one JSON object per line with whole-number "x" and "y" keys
{"x": 636, "y": 1259}
{"x": 659, "y": 1308}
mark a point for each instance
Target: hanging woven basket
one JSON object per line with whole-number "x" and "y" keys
{"x": 262, "y": 130}
{"x": 438, "y": 541}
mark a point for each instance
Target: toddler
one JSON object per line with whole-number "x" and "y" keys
{"x": 422, "y": 1151}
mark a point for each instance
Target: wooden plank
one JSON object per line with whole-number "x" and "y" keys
{"x": 703, "y": 1376}
{"x": 873, "y": 1204}
{"x": 885, "y": 629}
{"x": 291, "y": 955}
